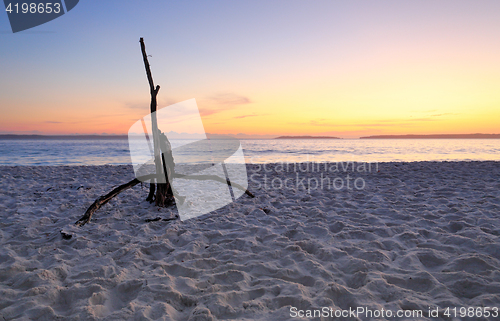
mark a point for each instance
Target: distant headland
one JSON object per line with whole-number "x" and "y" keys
{"x": 307, "y": 137}
{"x": 440, "y": 136}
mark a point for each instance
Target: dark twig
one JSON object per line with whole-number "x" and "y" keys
{"x": 106, "y": 198}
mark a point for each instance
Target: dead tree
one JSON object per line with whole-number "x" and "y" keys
{"x": 161, "y": 193}
{"x": 164, "y": 162}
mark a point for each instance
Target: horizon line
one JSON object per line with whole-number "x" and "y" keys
{"x": 287, "y": 137}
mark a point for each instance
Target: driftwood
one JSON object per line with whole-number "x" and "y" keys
{"x": 106, "y": 198}
{"x": 160, "y": 193}
{"x": 164, "y": 195}
{"x": 98, "y": 203}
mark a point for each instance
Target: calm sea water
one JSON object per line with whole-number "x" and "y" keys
{"x": 116, "y": 151}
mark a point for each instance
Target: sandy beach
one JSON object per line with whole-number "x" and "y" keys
{"x": 400, "y": 237}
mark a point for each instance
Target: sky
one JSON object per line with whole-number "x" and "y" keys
{"x": 259, "y": 68}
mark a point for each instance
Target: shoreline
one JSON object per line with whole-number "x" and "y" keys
{"x": 285, "y": 162}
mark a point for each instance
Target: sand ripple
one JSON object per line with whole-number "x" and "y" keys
{"x": 419, "y": 235}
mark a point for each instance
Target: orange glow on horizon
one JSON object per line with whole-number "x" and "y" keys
{"x": 415, "y": 93}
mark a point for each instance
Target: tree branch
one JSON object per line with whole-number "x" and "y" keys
{"x": 106, "y": 198}
{"x": 148, "y": 70}
{"x": 214, "y": 178}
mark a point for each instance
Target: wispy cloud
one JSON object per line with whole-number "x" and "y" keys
{"x": 424, "y": 111}
{"x": 211, "y": 111}
{"x": 229, "y": 99}
{"x": 221, "y": 102}
{"x": 444, "y": 114}
{"x": 323, "y": 122}
{"x": 140, "y": 106}
{"x": 244, "y": 116}
{"x": 52, "y": 122}
{"x": 145, "y": 105}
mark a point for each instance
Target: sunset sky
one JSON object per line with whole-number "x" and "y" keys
{"x": 341, "y": 68}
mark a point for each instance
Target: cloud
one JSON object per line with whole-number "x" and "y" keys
{"x": 418, "y": 119}
{"x": 145, "y": 105}
{"x": 229, "y": 99}
{"x": 221, "y": 102}
{"x": 208, "y": 112}
{"x": 208, "y": 106}
{"x": 52, "y": 122}
{"x": 444, "y": 114}
{"x": 424, "y": 111}
{"x": 244, "y": 116}
{"x": 323, "y": 122}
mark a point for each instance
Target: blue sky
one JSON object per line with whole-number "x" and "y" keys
{"x": 258, "y": 67}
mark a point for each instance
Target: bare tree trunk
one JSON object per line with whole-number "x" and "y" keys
{"x": 164, "y": 166}
{"x": 164, "y": 194}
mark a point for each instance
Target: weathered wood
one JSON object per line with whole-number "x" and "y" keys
{"x": 151, "y": 195}
{"x": 149, "y": 74}
{"x": 164, "y": 194}
{"x": 106, "y": 198}
{"x": 164, "y": 165}
{"x": 156, "y": 219}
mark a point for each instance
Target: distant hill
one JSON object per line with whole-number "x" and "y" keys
{"x": 90, "y": 137}
{"x": 441, "y": 136}
{"x": 307, "y": 137}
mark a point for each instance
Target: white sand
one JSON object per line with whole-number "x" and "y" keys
{"x": 418, "y": 235}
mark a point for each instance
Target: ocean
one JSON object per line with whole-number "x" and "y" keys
{"x": 39, "y": 152}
